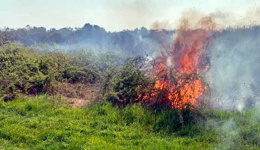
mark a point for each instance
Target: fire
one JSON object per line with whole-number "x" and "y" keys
{"x": 178, "y": 81}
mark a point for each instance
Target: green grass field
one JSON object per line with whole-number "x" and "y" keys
{"x": 38, "y": 124}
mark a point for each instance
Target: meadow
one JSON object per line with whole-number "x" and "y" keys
{"x": 36, "y": 123}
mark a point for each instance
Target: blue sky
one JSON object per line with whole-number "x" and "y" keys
{"x": 113, "y": 15}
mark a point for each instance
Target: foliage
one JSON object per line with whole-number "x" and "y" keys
{"x": 5, "y": 37}
{"x": 19, "y": 71}
{"x": 123, "y": 86}
{"x": 23, "y": 70}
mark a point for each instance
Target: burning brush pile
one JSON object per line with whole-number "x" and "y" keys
{"x": 178, "y": 71}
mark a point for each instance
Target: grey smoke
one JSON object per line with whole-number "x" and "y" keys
{"x": 235, "y": 67}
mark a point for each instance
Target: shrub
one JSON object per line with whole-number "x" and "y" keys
{"x": 122, "y": 87}
{"x": 23, "y": 70}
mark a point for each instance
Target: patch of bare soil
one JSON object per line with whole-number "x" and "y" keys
{"x": 76, "y": 103}
{"x": 78, "y": 96}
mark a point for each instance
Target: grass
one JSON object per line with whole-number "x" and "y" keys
{"x": 37, "y": 124}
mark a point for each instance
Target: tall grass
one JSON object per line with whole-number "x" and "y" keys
{"x": 37, "y": 124}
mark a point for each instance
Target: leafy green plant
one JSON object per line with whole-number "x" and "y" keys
{"x": 25, "y": 71}
{"x": 124, "y": 85}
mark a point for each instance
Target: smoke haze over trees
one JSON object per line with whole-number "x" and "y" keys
{"x": 92, "y": 37}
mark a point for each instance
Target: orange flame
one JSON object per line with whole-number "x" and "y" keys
{"x": 179, "y": 69}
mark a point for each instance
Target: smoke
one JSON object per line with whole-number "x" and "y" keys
{"x": 160, "y": 25}
{"x": 133, "y": 14}
{"x": 192, "y": 19}
{"x": 230, "y": 133}
{"x": 234, "y": 71}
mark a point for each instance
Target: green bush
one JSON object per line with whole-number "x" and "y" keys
{"x": 24, "y": 71}
{"x": 123, "y": 86}
{"x": 19, "y": 71}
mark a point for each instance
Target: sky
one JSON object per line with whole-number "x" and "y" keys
{"x": 113, "y": 15}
